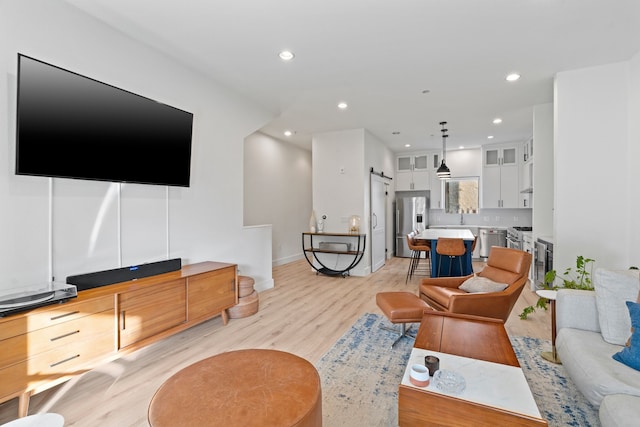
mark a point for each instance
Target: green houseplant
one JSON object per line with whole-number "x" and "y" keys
{"x": 580, "y": 278}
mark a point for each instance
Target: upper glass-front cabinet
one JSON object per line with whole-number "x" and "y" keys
{"x": 501, "y": 156}
{"x": 404, "y": 163}
{"x": 420, "y": 162}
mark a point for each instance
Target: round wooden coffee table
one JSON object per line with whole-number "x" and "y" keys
{"x": 241, "y": 388}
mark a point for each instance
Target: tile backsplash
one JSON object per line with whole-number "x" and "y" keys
{"x": 485, "y": 217}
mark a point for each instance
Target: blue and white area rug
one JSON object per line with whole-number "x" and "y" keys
{"x": 360, "y": 376}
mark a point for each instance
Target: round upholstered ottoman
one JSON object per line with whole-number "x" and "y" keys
{"x": 241, "y": 388}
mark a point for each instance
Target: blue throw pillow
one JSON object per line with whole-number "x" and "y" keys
{"x": 630, "y": 355}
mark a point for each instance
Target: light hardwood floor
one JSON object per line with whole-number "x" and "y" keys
{"x": 304, "y": 314}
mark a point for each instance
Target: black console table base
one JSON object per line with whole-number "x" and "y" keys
{"x": 311, "y": 252}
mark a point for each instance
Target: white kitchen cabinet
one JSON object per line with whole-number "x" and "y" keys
{"x": 500, "y": 176}
{"x": 526, "y": 184}
{"x": 435, "y": 200}
{"x": 526, "y": 177}
{"x": 527, "y": 150}
{"x": 500, "y": 155}
{"x": 412, "y": 172}
{"x": 434, "y": 160}
{"x": 420, "y": 162}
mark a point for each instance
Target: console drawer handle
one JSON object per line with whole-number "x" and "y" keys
{"x": 63, "y": 361}
{"x": 64, "y": 335}
{"x": 64, "y": 315}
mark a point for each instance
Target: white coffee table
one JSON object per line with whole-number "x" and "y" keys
{"x": 493, "y": 386}
{"x": 37, "y": 420}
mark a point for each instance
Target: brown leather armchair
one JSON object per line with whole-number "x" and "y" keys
{"x": 504, "y": 265}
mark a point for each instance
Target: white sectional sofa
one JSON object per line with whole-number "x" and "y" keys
{"x": 592, "y": 327}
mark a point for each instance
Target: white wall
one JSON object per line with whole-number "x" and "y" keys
{"x": 202, "y": 222}
{"x": 382, "y": 160}
{"x": 596, "y": 149}
{"x": 338, "y": 178}
{"x": 338, "y": 184}
{"x": 543, "y": 181}
{"x": 633, "y": 147}
{"x": 342, "y": 161}
{"x": 277, "y": 191}
{"x": 465, "y": 163}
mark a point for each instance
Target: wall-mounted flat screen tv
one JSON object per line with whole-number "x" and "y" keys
{"x": 72, "y": 126}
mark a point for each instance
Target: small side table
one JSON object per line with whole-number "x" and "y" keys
{"x": 551, "y": 356}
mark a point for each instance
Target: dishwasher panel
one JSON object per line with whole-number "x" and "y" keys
{"x": 491, "y": 237}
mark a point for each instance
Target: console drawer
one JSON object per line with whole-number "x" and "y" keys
{"x": 53, "y": 315}
{"x": 25, "y": 346}
{"x": 69, "y": 359}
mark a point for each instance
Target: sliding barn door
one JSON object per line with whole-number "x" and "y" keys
{"x": 378, "y": 219}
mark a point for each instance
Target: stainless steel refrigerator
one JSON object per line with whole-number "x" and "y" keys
{"x": 412, "y": 213}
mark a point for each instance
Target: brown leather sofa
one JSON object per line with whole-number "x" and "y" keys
{"x": 504, "y": 265}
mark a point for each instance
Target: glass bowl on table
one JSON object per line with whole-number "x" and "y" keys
{"x": 449, "y": 381}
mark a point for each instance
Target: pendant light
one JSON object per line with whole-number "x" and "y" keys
{"x": 443, "y": 171}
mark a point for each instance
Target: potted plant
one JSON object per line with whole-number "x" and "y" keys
{"x": 580, "y": 278}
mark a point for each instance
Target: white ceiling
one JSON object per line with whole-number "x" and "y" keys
{"x": 380, "y": 55}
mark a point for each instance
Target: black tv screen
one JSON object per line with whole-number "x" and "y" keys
{"x": 72, "y": 126}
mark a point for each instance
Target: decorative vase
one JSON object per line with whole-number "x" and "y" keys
{"x": 312, "y": 222}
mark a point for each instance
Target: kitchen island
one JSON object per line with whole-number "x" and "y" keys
{"x": 433, "y": 234}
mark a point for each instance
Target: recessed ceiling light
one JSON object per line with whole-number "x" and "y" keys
{"x": 513, "y": 77}
{"x": 461, "y": 147}
{"x": 497, "y": 121}
{"x": 288, "y": 133}
{"x": 490, "y": 137}
{"x": 342, "y": 105}
{"x": 286, "y": 55}
{"x": 407, "y": 145}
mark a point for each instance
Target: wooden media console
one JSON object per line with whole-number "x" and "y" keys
{"x": 46, "y": 346}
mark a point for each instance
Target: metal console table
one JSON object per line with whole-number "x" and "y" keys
{"x": 311, "y": 251}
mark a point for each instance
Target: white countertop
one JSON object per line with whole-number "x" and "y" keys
{"x": 487, "y": 383}
{"x": 499, "y": 227}
{"x": 436, "y": 233}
